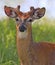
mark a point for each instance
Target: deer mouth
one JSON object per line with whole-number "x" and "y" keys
{"x": 22, "y": 35}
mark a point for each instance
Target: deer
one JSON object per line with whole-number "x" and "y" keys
{"x": 30, "y": 52}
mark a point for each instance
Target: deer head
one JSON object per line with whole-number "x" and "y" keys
{"x": 24, "y": 20}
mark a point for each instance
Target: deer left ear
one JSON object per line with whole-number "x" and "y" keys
{"x": 38, "y": 13}
{"x": 10, "y": 11}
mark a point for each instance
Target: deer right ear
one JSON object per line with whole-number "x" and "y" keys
{"x": 38, "y": 13}
{"x": 10, "y": 11}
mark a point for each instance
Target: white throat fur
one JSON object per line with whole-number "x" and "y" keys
{"x": 22, "y": 35}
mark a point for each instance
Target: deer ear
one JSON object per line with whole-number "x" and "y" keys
{"x": 38, "y": 13}
{"x": 10, "y": 11}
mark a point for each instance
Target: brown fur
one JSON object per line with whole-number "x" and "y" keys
{"x": 30, "y": 53}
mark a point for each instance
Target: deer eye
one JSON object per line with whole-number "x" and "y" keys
{"x": 17, "y": 19}
{"x": 29, "y": 19}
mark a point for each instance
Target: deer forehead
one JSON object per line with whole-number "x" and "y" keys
{"x": 23, "y": 16}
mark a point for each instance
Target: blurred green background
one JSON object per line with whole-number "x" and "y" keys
{"x": 43, "y": 30}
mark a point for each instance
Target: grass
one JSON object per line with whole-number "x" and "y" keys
{"x": 43, "y": 30}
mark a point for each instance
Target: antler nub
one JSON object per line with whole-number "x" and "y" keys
{"x": 31, "y": 8}
{"x": 5, "y": 6}
{"x": 18, "y": 7}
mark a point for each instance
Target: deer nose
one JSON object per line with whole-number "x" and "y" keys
{"x": 22, "y": 28}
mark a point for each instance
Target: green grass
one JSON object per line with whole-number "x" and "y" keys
{"x": 43, "y": 30}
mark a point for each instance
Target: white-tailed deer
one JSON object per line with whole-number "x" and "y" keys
{"x": 30, "y": 53}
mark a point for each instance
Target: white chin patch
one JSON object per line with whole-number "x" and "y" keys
{"x": 22, "y": 35}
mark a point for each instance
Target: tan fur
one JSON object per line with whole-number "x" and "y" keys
{"x": 30, "y": 53}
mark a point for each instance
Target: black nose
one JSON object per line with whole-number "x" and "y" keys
{"x": 22, "y": 28}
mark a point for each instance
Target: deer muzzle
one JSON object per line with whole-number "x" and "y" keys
{"x": 22, "y": 28}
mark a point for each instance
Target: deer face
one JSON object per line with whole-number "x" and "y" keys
{"x": 23, "y": 20}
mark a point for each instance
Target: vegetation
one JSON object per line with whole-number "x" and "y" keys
{"x": 43, "y": 30}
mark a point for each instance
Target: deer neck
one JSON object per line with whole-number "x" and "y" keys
{"x": 24, "y": 43}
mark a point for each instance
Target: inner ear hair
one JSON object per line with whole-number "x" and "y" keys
{"x": 42, "y": 9}
{"x": 38, "y": 13}
{"x": 41, "y": 12}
